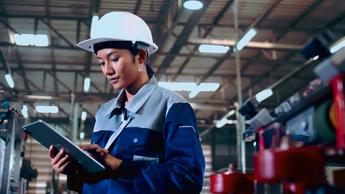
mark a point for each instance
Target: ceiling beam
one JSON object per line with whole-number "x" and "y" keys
{"x": 19, "y": 61}
{"x": 256, "y": 22}
{"x": 280, "y": 36}
{"x": 251, "y": 44}
{"x": 183, "y": 37}
{"x": 47, "y": 9}
{"x": 207, "y": 32}
{"x": 165, "y": 24}
{"x": 137, "y": 7}
{"x": 47, "y": 23}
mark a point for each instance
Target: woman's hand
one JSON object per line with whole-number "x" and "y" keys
{"x": 60, "y": 161}
{"x": 103, "y": 155}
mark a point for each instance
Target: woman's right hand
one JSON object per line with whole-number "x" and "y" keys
{"x": 60, "y": 161}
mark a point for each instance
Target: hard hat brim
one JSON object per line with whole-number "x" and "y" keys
{"x": 87, "y": 45}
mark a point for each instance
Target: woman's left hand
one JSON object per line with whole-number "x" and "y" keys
{"x": 102, "y": 154}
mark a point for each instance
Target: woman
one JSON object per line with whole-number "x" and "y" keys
{"x": 147, "y": 136}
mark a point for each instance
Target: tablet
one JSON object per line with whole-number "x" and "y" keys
{"x": 46, "y": 135}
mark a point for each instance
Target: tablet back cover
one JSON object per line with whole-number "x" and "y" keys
{"x": 46, "y": 135}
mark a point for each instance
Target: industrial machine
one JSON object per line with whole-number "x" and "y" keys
{"x": 299, "y": 138}
{"x": 13, "y": 177}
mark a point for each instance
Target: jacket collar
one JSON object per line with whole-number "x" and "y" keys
{"x": 138, "y": 99}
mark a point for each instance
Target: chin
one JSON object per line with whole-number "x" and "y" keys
{"x": 118, "y": 86}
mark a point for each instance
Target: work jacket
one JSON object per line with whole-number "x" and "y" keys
{"x": 159, "y": 143}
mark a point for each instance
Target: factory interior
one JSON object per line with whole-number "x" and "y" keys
{"x": 264, "y": 79}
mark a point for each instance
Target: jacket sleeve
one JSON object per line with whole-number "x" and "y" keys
{"x": 182, "y": 168}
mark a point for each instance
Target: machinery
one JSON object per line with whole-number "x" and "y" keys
{"x": 13, "y": 177}
{"x": 299, "y": 138}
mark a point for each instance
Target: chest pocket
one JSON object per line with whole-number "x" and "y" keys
{"x": 139, "y": 144}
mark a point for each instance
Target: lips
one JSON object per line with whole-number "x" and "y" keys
{"x": 114, "y": 79}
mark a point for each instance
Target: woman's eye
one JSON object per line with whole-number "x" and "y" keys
{"x": 115, "y": 59}
{"x": 101, "y": 63}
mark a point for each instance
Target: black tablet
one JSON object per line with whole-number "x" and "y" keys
{"x": 46, "y": 135}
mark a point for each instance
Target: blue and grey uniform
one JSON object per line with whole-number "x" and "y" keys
{"x": 159, "y": 143}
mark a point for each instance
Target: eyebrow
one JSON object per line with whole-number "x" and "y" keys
{"x": 109, "y": 54}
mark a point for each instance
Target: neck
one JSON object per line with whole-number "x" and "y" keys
{"x": 135, "y": 87}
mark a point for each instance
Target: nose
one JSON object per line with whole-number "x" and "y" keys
{"x": 108, "y": 69}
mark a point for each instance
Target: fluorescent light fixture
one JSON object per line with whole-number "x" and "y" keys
{"x": 178, "y": 86}
{"x": 37, "y": 97}
{"x": 337, "y": 45}
{"x": 193, "y": 4}
{"x": 41, "y": 40}
{"x": 190, "y": 87}
{"x": 210, "y": 48}
{"x": 220, "y": 123}
{"x": 193, "y": 93}
{"x": 31, "y": 39}
{"x": 86, "y": 84}
{"x": 224, "y": 120}
{"x": 245, "y": 39}
{"x": 203, "y": 87}
{"x": 83, "y": 116}
{"x": 25, "y": 111}
{"x": 47, "y": 109}
{"x": 81, "y": 135}
{"x": 208, "y": 87}
{"x": 263, "y": 95}
{"x": 9, "y": 80}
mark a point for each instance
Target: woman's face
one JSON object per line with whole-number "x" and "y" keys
{"x": 118, "y": 67}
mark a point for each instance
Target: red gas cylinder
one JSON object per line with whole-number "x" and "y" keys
{"x": 304, "y": 165}
{"x": 232, "y": 182}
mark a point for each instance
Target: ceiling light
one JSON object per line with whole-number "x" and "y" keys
{"x": 86, "y": 84}
{"x": 337, "y": 45}
{"x": 47, "y": 109}
{"x": 263, "y": 95}
{"x": 193, "y": 93}
{"x": 41, "y": 40}
{"x": 203, "y": 87}
{"x": 81, "y": 135}
{"x": 178, "y": 86}
{"x": 245, "y": 39}
{"x": 37, "y": 97}
{"x": 224, "y": 120}
{"x": 9, "y": 80}
{"x": 25, "y": 111}
{"x": 210, "y": 48}
{"x": 220, "y": 123}
{"x": 31, "y": 39}
{"x": 190, "y": 87}
{"x": 193, "y": 4}
{"x": 83, "y": 116}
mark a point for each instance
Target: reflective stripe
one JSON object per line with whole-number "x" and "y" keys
{"x": 145, "y": 158}
{"x": 188, "y": 126}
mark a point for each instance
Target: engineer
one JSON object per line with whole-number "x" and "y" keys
{"x": 146, "y": 136}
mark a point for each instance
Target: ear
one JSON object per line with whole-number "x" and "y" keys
{"x": 142, "y": 56}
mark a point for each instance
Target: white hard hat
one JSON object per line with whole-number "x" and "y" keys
{"x": 119, "y": 26}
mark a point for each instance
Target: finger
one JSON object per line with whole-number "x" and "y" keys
{"x": 51, "y": 152}
{"x": 58, "y": 157}
{"x": 91, "y": 147}
{"x": 62, "y": 162}
{"x": 62, "y": 169}
{"x": 102, "y": 152}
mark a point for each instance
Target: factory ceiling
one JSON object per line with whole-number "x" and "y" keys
{"x": 55, "y": 74}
